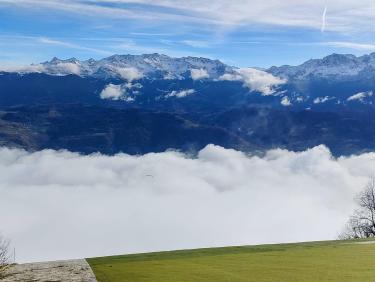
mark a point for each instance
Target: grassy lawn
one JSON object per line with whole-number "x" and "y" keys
{"x": 318, "y": 261}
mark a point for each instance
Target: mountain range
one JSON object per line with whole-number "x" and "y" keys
{"x": 130, "y": 67}
{"x": 151, "y": 103}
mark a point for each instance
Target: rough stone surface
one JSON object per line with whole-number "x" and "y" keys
{"x": 56, "y": 271}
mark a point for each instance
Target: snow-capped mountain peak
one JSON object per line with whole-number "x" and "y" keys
{"x": 147, "y": 65}
{"x": 335, "y": 66}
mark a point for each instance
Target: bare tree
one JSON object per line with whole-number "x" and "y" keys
{"x": 362, "y": 223}
{"x": 4, "y": 255}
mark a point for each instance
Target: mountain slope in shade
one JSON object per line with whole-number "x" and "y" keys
{"x": 88, "y": 129}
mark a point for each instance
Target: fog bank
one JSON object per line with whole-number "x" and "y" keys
{"x": 61, "y": 205}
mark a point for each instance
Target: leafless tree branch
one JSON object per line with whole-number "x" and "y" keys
{"x": 4, "y": 255}
{"x": 362, "y": 222}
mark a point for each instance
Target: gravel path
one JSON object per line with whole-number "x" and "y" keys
{"x": 56, "y": 271}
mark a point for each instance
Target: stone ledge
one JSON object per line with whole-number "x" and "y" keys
{"x": 55, "y": 271}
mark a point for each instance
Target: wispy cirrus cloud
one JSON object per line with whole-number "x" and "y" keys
{"x": 42, "y": 40}
{"x": 196, "y": 43}
{"x": 324, "y": 20}
{"x": 103, "y": 9}
{"x": 344, "y": 14}
{"x": 350, "y": 45}
{"x": 244, "y": 32}
{"x": 150, "y": 34}
{"x": 49, "y": 41}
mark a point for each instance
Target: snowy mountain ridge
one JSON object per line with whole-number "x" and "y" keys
{"x": 336, "y": 66}
{"x": 159, "y": 66}
{"x": 133, "y": 67}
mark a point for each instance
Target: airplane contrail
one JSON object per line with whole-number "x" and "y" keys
{"x": 324, "y": 18}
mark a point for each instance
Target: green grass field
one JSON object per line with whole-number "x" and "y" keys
{"x": 317, "y": 261}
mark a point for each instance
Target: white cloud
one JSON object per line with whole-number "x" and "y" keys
{"x": 112, "y": 92}
{"x": 320, "y": 100}
{"x": 197, "y": 74}
{"x": 324, "y": 20}
{"x": 64, "y": 68}
{"x": 360, "y": 96}
{"x": 46, "y": 40}
{"x": 345, "y": 15}
{"x": 34, "y": 68}
{"x": 130, "y": 73}
{"x": 285, "y": 101}
{"x": 169, "y": 76}
{"x": 181, "y": 93}
{"x": 350, "y": 45}
{"x": 231, "y": 77}
{"x": 120, "y": 91}
{"x": 59, "y": 205}
{"x": 300, "y": 99}
{"x": 255, "y": 80}
{"x": 50, "y": 41}
{"x": 196, "y": 44}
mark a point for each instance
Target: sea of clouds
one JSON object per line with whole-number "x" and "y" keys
{"x": 62, "y": 205}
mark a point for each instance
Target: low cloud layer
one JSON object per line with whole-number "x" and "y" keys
{"x": 112, "y": 92}
{"x": 255, "y": 80}
{"x": 360, "y": 96}
{"x": 321, "y": 100}
{"x": 124, "y": 92}
{"x": 197, "y": 74}
{"x": 67, "y": 68}
{"x": 62, "y": 68}
{"x": 285, "y": 101}
{"x": 130, "y": 73}
{"x": 260, "y": 81}
{"x": 59, "y": 205}
{"x": 34, "y": 68}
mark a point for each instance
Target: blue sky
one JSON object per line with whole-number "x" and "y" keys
{"x": 238, "y": 32}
